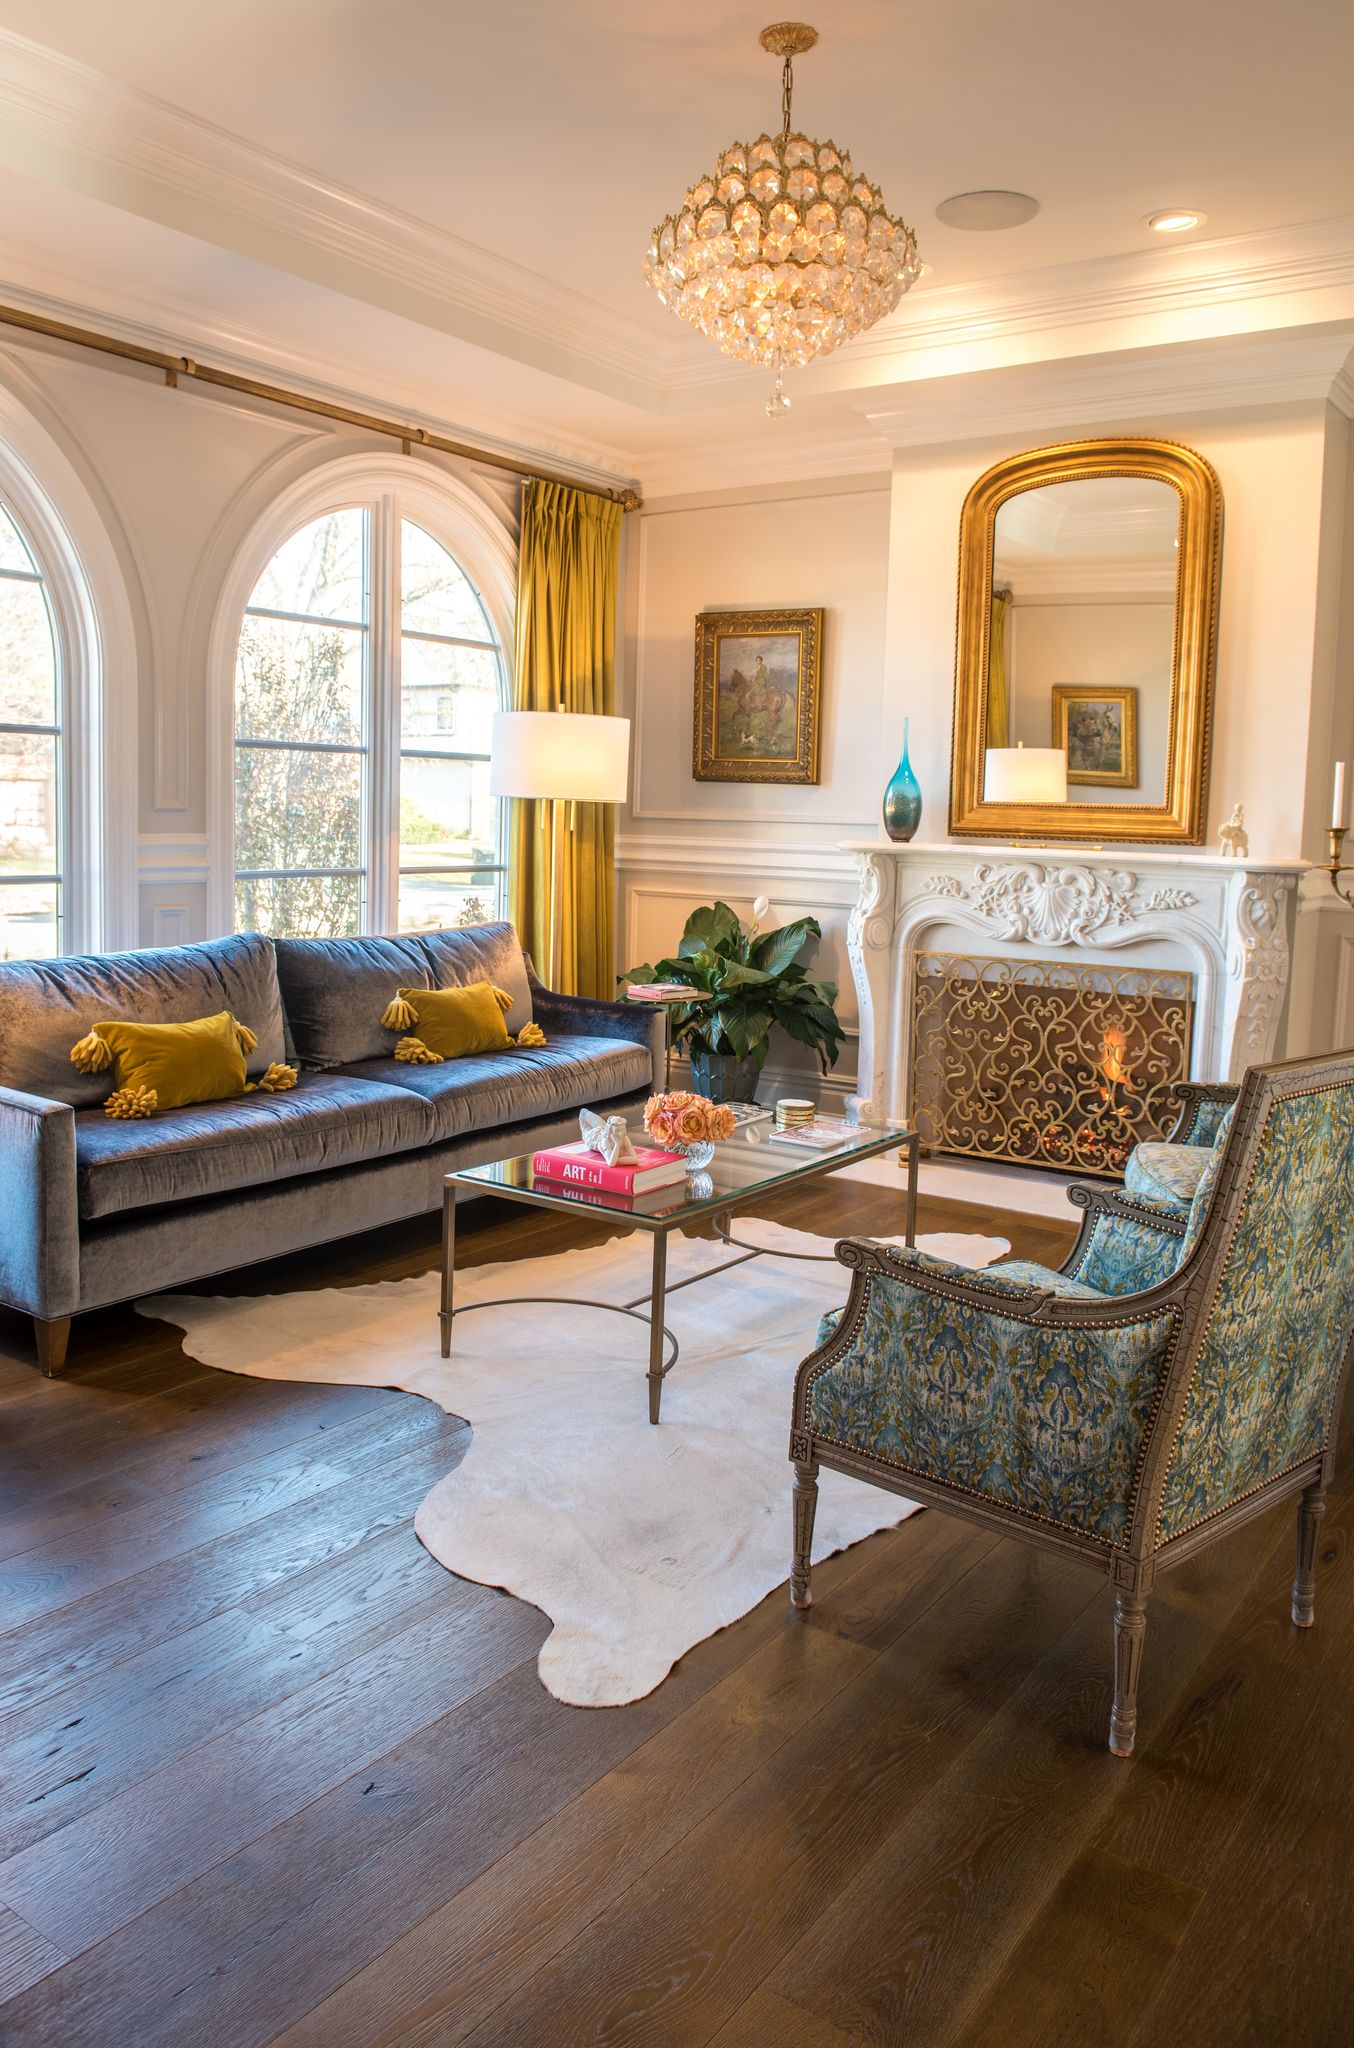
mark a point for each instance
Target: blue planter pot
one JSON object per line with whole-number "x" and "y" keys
{"x": 902, "y": 798}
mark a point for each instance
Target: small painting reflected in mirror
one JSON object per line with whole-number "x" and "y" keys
{"x": 1098, "y": 731}
{"x": 757, "y": 696}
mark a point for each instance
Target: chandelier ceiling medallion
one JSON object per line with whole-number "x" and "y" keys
{"x": 783, "y": 252}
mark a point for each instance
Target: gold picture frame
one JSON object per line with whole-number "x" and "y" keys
{"x": 1097, "y": 728}
{"x": 1180, "y": 818}
{"x": 758, "y": 696}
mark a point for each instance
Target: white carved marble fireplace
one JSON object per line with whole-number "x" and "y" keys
{"x": 1226, "y": 922}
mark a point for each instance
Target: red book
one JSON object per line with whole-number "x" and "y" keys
{"x": 583, "y": 1168}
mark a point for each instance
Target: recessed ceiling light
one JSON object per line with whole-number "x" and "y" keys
{"x": 1175, "y": 220}
{"x": 986, "y": 212}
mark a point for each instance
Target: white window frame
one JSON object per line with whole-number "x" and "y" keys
{"x": 95, "y": 646}
{"x": 479, "y": 541}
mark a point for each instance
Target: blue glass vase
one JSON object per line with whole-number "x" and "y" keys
{"x": 902, "y": 798}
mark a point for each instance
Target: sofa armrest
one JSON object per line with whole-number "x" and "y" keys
{"x": 593, "y": 1018}
{"x": 39, "y": 1225}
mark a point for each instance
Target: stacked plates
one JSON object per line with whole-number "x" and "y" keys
{"x": 792, "y": 1112}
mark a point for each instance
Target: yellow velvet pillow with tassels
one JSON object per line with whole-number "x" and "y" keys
{"x": 168, "y": 1066}
{"x": 451, "y": 1023}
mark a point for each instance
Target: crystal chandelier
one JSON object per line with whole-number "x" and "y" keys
{"x": 783, "y": 252}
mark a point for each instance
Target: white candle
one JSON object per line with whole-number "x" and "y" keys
{"x": 1337, "y": 802}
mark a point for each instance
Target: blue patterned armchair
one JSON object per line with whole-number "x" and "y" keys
{"x": 1179, "y": 1374}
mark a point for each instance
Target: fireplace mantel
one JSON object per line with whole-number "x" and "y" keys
{"x": 1227, "y": 920}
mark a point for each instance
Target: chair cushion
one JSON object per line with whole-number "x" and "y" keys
{"x": 1167, "y": 1174}
{"x": 482, "y": 952}
{"x": 1035, "y": 1275}
{"x": 47, "y": 1005}
{"x": 334, "y": 991}
{"x": 211, "y": 1148}
{"x": 489, "y": 1089}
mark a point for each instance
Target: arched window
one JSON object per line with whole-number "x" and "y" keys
{"x": 33, "y": 832}
{"x": 367, "y": 675}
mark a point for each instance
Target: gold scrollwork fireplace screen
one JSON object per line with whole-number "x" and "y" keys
{"x": 1044, "y": 1062}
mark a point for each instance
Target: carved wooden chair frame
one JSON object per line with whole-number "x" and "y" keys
{"x": 1187, "y": 1297}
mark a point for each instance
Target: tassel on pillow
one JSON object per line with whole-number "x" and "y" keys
{"x": 132, "y": 1102}
{"x": 276, "y": 1081}
{"x": 248, "y": 1039}
{"x": 91, "y": 1055}
{"x": 414, "y": 1053}
{"x": 530, "y": 1035}
{"x": 399, "y": 1015}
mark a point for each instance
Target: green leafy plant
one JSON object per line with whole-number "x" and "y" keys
{"x": 753, "y": 980}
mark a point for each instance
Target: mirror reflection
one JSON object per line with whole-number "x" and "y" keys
{"x": 1083, "y": 599}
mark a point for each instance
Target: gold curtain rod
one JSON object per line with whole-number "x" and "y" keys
{"x": 174, "y": 367}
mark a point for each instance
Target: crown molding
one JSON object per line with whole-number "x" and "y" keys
{"x": 770, "y": 457}
{"x": 1172, "y": 285}
{"x": 65, "y": 123}
{"x": 1279, "y": 368}
{"x": 181, "y": 326}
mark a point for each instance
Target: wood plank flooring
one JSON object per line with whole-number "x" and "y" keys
{"x": 270, "y": 1775}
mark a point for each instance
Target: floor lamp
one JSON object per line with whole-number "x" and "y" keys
{"x": 560, "y": 758}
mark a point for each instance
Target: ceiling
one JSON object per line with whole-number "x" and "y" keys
{"x": 557, "y": 135}
{"x": 517, "y": 155}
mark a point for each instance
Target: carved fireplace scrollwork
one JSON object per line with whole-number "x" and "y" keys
{"x": 1224, "y": 923}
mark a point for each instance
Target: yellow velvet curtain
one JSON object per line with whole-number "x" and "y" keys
{"x": 998, "y": 687}
{"x": 565, "y": 657}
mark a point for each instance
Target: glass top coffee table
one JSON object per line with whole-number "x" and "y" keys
{"x": 744, "y": 1167}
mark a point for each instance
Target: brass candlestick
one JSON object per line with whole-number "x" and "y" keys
{"x": 1337, "y": 867}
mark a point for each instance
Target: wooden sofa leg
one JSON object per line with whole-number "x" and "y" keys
{"x": 806, "y": 1507}
{"x": 1311, "y": 1509}
{"x": 1130, "y": 1626}
{"x": 52, "y": 1340}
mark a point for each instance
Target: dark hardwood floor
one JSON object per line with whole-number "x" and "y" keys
{"x": 269, "y": 1774}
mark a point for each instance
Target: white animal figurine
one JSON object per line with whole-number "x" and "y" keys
{"x": 1233, "y": 834}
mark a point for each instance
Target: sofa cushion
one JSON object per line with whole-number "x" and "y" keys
{"x": 47, "y": 1005}
{"x": 334, "y": 991}
{"x": 489, "y": 1089}
{"x": 482, "y": 952}
{"x": 212, "y": 1147}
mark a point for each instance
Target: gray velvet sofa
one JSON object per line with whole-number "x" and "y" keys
{"x": 96, "y": 1210}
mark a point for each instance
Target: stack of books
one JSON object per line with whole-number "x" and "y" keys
{"x": 580, "y": 1167}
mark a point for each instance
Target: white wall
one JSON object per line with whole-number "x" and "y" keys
{"x": 886, "y": 567}
{"x": 684, "y": 842}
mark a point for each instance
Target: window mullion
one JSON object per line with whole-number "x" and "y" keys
{"x": 383, "y": 715}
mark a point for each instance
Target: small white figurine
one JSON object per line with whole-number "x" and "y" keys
{"x": 607, "y": 1135}
{"x": 1233, "y": 834}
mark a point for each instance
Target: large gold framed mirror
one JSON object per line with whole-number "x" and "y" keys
{"x": 1086, "y": 640}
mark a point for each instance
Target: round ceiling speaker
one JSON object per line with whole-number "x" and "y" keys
{"x": 986, "y": 212}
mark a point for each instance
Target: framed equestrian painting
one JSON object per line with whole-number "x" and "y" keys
{"x": 1098, "y": 731}
{"x": 758, "y": 681}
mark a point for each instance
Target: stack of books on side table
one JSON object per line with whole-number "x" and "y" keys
{"x": 579, "y": 1166}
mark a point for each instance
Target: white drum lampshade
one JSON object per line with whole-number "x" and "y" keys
{"x": 1025, "y": 775}
{"x": 560, "y": 756}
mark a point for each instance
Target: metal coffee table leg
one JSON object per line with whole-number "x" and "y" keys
{"x": 448, "y": 1266}
{"x": 657, "y": 1293}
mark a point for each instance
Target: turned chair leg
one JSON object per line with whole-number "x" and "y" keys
{"x": 52, "y": 1340}
{"x": 806, "y": 1506}
{"x": 1130, "y": 1626}
{"x": 1311, "y": 1508}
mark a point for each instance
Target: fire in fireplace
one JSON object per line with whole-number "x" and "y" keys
{"x": 1043, "y": 1062}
